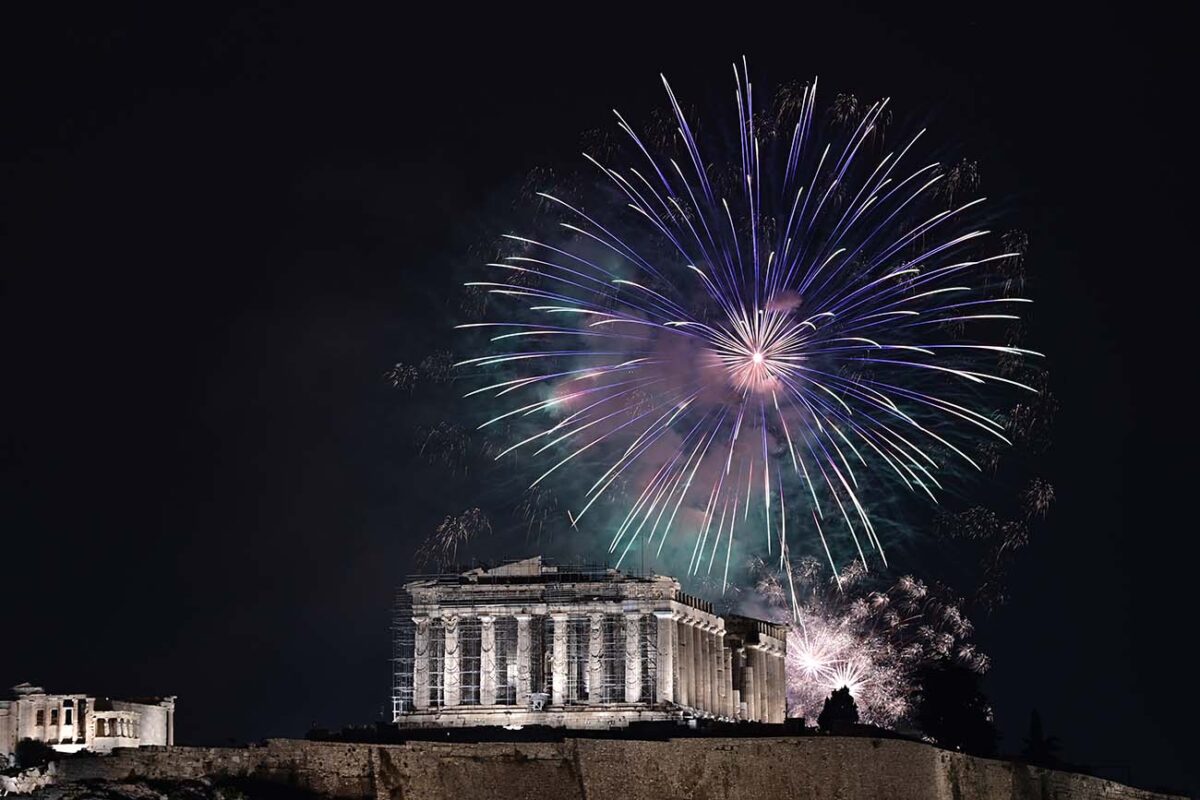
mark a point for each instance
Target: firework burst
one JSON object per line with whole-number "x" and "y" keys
{"x": 784, "y": 331}
{"x": 872, "y": 642}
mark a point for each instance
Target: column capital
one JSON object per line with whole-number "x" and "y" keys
{"x": 634, "y": 614}
{"x": 663, "y": 613}
{"x": 522, "y": 617}
{"x": 487, "y": 619}
{"x": 559, "y": 616}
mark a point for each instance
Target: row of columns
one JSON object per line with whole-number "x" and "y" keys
{"x": 695, "y": 668}
{"x": 694, "y": 665}
{"x": 451, "y": 687}
{"x": 764, "y": 684}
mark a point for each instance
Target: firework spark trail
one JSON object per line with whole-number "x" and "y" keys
{"x": 735, "y": 308}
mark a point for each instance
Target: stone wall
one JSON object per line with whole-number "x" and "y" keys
{"x": 808, "y": 767}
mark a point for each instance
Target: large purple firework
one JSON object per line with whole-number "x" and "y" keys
{"x": 786, "y": 332}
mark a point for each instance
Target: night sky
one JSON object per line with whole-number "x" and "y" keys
{"x": 220, "y": 230}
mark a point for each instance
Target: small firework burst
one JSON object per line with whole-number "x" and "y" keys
{"x": 440, "y": 550}
{"x": 446, "y": 445}
{"x": 1037, "y": 498}
{"x": 403, "y": 377}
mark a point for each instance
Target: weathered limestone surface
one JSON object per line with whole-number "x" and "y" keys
{"x": 803, "y": 768}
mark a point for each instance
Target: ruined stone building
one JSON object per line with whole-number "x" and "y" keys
{"x": 73, "y": 722}
{"x": 528, "y": 643}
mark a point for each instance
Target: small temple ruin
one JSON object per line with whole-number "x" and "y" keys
{"x": 76, "y": 721}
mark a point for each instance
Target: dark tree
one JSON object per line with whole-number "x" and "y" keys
{"x": 1040, "y": 749}
{"x": 840, "y": 711}
{"x": 954, "y": 712}
{"x": 32, "y": 753}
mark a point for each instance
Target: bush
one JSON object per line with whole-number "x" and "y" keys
{"x": 954, "y": 712}
{"x": 32, "y": 753}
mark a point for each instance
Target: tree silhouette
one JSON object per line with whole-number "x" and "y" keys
{"x": 954, "y": 712}
{"x": 840, "y": 710}
{"x": 1040, "y": 749}
{"x": 32, "y": 753}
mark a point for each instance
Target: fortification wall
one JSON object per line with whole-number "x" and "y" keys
{"x": 807, "y": 768}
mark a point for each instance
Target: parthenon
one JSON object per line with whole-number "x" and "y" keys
{"x": 529, "y": 643}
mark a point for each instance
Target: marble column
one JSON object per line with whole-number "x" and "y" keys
{"x": 769, "y": 684}
{"x": 714, "y": 664}
{"x": 487, "y": 660}
{"x": 524, "y": 674}
{"x": 633, "y": 657}
{"x": 730, "y": 697}
{"x": 772, "y": 687}
{"x": 665, "y": 657}
{"x": 762, "y": 683}
{"x": 749, "y": 689}
{"x": 703, "y": 652}
{"x": 781, "y": 683}
{"x": 452, "y": 691}
{"x": 695, "y": 683}
{"x": 595, "y": 658}
{"x": 719, "y": 656}
{"x": 684, "y": 631}
{"x": 558, "y": 669}
{"x": 421, "y": 663}
{"x": 677, "y": 662}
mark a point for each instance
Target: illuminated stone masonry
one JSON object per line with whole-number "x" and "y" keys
{"x": 529, "y": 643}
{"x": 73, "y": 722}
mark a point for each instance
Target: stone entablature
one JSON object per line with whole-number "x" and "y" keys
{"x": 73, "y": 722}
{"x": 530, "y": 643}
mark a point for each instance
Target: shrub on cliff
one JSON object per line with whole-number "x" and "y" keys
{"x": 954, "y": 712}
{"x": 1040, "y": 749}
{"x": 32, "y": 753}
